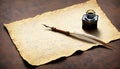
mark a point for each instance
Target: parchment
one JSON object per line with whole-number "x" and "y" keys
{"x": 38, "y": 46}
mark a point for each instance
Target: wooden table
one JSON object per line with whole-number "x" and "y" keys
{"x": 95, "y": 58}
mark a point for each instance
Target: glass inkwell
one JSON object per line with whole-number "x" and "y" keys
{"x": 89, "y": 20}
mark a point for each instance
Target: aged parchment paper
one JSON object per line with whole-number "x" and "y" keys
{"x": 38, "y": 46}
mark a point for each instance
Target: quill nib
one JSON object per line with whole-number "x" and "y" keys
{"x": 46, "y": 26}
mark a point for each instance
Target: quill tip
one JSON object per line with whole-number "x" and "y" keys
{"x": 46, "y": 26}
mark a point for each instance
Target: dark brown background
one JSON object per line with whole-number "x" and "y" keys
{"x": 96, "y": 58}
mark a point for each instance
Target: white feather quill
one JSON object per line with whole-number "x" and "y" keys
{"x": 85, "y": 37}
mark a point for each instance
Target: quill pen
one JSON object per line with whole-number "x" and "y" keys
{"x": 85, "y": 37}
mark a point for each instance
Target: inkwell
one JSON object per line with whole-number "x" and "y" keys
{"x": 89, "y": 20}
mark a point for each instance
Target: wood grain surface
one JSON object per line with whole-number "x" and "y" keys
{"x": 95, "y": 58}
